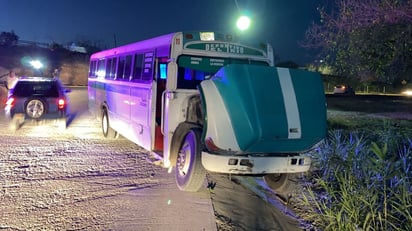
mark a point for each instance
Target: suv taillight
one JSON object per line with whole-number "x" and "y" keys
{"x": 61, "y": 103}
{"x": 10, "y": 102}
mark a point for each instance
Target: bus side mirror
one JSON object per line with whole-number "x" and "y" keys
{"x": 171, "y": 80}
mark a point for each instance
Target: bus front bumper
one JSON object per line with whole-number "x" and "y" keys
{"x": 250, "y": 165}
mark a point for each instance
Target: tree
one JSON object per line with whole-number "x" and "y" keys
{"x": 370, "y": 40}
{"x": 8, "y": 39}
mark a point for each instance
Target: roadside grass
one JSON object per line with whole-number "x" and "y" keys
{"x": 361, "y": 175}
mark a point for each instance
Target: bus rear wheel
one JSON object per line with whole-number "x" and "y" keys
{"x": 108, "y": 132}
{"x": 190, "y": 173}
{"x": 277, "y": 182}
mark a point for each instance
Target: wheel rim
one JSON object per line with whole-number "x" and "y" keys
{"x": 185, "y": 155}
{"x": 35, "y": 108}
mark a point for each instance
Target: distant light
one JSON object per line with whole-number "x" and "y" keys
{"x": 243, "y": 23}
{"x": 36, "y": 64}
{"x": 407, "y": 92}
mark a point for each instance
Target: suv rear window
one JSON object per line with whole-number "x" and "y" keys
{"x": 29, "y": 88}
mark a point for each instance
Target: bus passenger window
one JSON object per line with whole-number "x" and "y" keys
{"x": 92, "y": 69}
{"x": 120, "y": 67}
{"x": 101, "y": 70}
{"x": 127, "y": 68}
{"x": 110, "y": 66}
{"x": 112, "y": 73}
{"x": 137, "y": 67}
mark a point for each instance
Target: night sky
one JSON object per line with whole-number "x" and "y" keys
{"x": 110, "y": 22}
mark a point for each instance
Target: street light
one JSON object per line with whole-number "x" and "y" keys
{"x": 36, "y": 64}
{"x": 243, "y": 23}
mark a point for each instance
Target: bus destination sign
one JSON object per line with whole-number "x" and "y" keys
{"x": 225, "y": 48}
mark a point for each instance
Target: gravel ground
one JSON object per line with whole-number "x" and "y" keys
{"x": 59, "y": 182}
{"x": 75, "y": 180}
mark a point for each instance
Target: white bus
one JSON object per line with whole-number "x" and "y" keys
{"x": 205, "y": 102}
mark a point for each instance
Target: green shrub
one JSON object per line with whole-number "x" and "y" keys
{"x": 362, "y": 181}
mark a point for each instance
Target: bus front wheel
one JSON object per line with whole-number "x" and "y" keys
{"x": 190, "y": 173}
{"x": 277, "y": 182}
{"x": 108, "y": 132}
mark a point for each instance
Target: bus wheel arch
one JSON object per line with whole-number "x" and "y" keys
{"x": 107, "y": 131}
{"x": 190, "y": 173}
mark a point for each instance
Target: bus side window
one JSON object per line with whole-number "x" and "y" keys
{"x": 101, "y": 68}
{"x": 109, "y": 68}
{"x": 120, "y": 68}
{"x": 137, "y": 67}
{"x": 113, "y": 68}
{"x": 92, "y": 69}
{"x": 127, "y": 68}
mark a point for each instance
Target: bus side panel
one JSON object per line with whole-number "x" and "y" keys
{"x": 140, "y": 116}
{"x": 91, "y": 91}
{"x": 100, "y": 98}
{"x": 118, "y": 101}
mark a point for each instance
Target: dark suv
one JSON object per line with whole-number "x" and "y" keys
{"x": 37, "y": 99}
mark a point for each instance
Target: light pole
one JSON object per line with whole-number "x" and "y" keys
{"x": 243, "y": 22}
{"x": 37, "y": 65}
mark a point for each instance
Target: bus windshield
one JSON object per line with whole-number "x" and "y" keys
{"x": 194, "y": 69}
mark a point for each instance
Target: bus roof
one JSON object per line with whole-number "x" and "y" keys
{"x": 148, "y": 44}
{"x": 191, "y": 40}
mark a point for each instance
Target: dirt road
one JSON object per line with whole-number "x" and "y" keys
{"x": 77, "y": 180}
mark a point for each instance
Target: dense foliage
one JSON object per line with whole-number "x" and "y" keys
{"x": 368, "y": 40}
{"x": 362, "y": 184}
{"x": 361, "y": 174}
{"x": 8, "y": 38}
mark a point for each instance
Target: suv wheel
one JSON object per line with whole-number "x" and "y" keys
{"x": 35, "y": 108}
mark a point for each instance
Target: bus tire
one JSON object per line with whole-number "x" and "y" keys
{"x": 190, "y": 173}
{"x": 277, "y": 182}
{"x": 108, "y": 132}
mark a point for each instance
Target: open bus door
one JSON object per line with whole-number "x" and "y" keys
{"x": 158, "y": 94}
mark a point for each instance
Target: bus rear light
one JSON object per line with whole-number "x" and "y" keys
{"x": 61, "y": 103}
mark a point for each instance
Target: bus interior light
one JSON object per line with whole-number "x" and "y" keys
{"x": 163, "y": 70}
{"x": 207, "y": 36}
